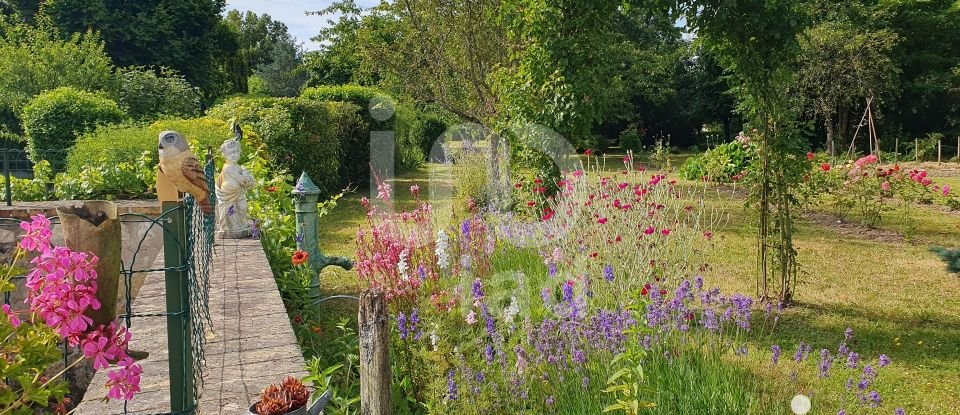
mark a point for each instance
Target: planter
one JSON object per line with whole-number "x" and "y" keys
{"x": 299, "y": 411}
{"x": 315, "y": 409}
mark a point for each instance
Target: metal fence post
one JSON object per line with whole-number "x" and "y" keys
{"x": 178, "y": 308}
{"x": 6, "y": 174}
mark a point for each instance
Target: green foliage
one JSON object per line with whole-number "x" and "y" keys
{"x": 183, "y": 35}
{"x": 114, "y": 145}
{"x": 101, "y": 179}
{"x": 148, "y": 94}
{"x": 720, "y": 163}
{"x": 283, "y": 76}
{"x": 924, "y": 149}
{"x": 631, "y": 139}
{"x": 305, "y": 135}
{"x": 34, "y": 59}
{"x": 384, "y": 113}
{"x": 55, "y": 119}
{"x": 33, "y": 189}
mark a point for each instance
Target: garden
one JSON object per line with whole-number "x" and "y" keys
{"x": 667, "y": 207}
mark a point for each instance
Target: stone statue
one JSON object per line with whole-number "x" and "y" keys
{"x": 232, "y": 185}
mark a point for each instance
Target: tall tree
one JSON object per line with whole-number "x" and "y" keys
{"x": 840, "y": 67}
{"x": 258, "y": 36}
{"x": 340, "y": 58}
{"x": 178, "y": 34}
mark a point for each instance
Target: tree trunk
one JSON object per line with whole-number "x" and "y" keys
{"x": 828, "y": 125}
{"x": 375, "y": 375}
{"x": 94, "y": 227}
{"x": 842, "y": 123}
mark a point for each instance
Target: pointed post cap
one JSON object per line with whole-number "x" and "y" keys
{"x": 305, "y": 186}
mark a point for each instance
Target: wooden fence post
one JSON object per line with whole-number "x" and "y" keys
{"x": 916, "y": 149}
{"x": 375, "y": 374}
{"x": 939, "y": 151}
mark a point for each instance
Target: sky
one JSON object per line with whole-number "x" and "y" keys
{"x": 291, "y": 13}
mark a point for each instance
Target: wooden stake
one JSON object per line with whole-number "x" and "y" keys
{"x": 375, "y": 374}
{"x": 939, "y": 151}
{"x": 916, "y": 149}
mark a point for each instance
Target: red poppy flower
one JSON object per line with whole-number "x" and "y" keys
{"x": 588, "y": 152}
{"x": 646, "y": 290}
{"x": 531, "y": 203}
{"x": 663, "y": 292}
{"x": 810, "y": 156}
{"x": 271, "y": 189}
{"x": 299, "y": 258}
{"x": 297, "y": 319}
{"x": 538, "y": 181}
{"x": 825, "y": 167}
{"x": 602, "y": 221}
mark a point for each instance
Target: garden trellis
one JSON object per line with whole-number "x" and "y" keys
{"x": 187, "y": 254}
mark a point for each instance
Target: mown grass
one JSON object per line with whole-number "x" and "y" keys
{"x": 894, "y": 293}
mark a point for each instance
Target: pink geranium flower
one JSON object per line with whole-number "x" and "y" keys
{"x": 37, "y": 236}
{"x": 946, "y": 190}
{"x": 124, "y": 382}
{"x": 11, "y": 316}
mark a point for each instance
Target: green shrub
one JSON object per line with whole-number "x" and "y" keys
{"x": 54, "y": 119}
{"x": 132, "y": 179}
{"x": 720, "y": 163}
{"x": 148, "y": 95}
{"x": 112, "y": 145}
{"x": 34, "y": 189}
{"x": 306, "y": 135}
{"x": 631, "y": 139}
{"x": 375, "y": 106}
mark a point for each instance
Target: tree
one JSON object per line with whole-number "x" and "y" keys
{"x": 756, "y": 41}
{"x": 36, "y": 58}
{"x": 257, "y": 36}
{"x": 283, "y": 76}
{"x": 842, "y": 66}
{"x": 177, "y": 34}
{"x": 340, "y": 56}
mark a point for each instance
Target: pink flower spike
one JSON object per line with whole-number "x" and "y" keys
{"x": 946, "y": 190}
{"x": 14, "y": 320}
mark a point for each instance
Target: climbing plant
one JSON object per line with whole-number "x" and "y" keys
{"x": 759, "y": 51}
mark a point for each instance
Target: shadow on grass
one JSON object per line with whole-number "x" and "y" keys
{"x": 875, "y": 332}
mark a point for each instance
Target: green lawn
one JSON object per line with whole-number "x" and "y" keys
{"x": 890, "y": 290}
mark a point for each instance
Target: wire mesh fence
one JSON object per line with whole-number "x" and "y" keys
{"x": 187, "y": 254}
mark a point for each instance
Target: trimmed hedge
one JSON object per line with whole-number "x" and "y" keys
{"x": 305, "y": 135}
{"x": 112, "y": 145}
{"x": 55, "y": 119}
{"x": 148, "y": 95}
{"x": 415, "y": 131}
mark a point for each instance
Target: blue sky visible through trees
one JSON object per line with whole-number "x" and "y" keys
{"x": 292, "y": 13}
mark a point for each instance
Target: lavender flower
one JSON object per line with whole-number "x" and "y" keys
{"x": 465, "y": 229}
{"x": 872, "y": 399}
{"x": 567, "y": 290}
{"x": 552, "y": 270}
{"x": 884, "y": 360}
{"x": 775, "y": 349}
{"x": 608, "y": 272}
{"x": 549, "y": 401}
{"x": 402, "y": 326}
{"x": 698, "y": 282}
{"x": 848, "y": 334}
{"x": 899, "y": 411}
{"x": 414, "y": 323}
{"x": 488, "y": 353}
{"x": 853, "y": 359}
{"x": 477, "y": 289}
{"x": 825, "y": 363}
{"x": 841, "y": 412}
{"x": 451, "y": 386}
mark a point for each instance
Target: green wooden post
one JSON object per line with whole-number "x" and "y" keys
{"x": 306, "y": 196}
{"x": 178, "y": 308}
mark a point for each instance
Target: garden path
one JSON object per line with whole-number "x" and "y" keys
{"x": 250, "y": 343}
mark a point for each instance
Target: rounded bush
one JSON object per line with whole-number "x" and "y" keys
{"x": 147, "y": 94}
{"x": 54, "y": 119}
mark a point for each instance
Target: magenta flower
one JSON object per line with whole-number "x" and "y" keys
{"x": 124, "y": 382}
{"x": 37, "y": 236}
{"x": 14, "y": 320}
{"x": 946, "y": 190}
{"x": 97, "y": 348}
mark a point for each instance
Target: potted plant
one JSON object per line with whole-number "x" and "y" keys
{"x": 288, "y": 398}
